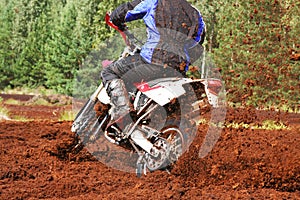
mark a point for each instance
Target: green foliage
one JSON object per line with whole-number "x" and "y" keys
{"x": 103, "y": 32}
{"x": 44, "y": 42}
{"x": 87, "y": 77}
{"x": 255, "y": 41}
{"x": 7, "y": 52}
{"x": 59, "y": 45}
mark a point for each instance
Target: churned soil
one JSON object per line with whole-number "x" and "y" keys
{"x": 245, "y": 163}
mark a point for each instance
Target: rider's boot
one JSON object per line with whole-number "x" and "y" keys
{"x": 121, "y": 108}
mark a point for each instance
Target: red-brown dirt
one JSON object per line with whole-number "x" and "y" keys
{"x": 244, "y": 164}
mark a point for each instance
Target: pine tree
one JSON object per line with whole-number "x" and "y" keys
{"x": 7, "y": 54}
{"x": 252, "y": 49}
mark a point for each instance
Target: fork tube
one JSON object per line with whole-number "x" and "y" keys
{"x": 138, "y": 121}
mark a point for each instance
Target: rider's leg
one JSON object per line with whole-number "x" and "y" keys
{"x": 128, "y": 71}
{"x": 113, "y": 80}
{"x": 119, "y": 99}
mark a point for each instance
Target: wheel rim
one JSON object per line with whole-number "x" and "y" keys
{"x": 159, "y": 162}
{"x": 171, "y": 148}
{"x": 176, "y": 141}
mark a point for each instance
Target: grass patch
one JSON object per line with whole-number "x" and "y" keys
{"x": 13, "y": 102}
{"x": 201, "y": 121}
{"x": 265, "y": 125}
{"x": 272, "y": 125}
{"x": 67, "y": 115}
{"x": 279, "y": 108}
{"x": 40, "y": 102}
{"x": 4, "y": 113}
{"x": 29, "y": 91}
{"x": 21, "y": 118}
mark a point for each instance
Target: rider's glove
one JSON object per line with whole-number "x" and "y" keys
{"x": 121, "y": 27}
{"x": 118, "y": 18}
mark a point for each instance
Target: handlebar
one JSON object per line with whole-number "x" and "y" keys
{"x": 129, "y": 38}
{"x": 109, "y": 23}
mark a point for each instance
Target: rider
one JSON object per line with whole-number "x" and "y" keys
{"x": 175, "y": 31}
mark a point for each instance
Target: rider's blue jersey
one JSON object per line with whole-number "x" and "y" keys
{"x": 172, "y": 25}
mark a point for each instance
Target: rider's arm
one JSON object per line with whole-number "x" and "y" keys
{"x": 118, "y": 16}
{"x": 140, "y": 10}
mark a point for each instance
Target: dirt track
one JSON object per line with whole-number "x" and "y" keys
{"x": 244, "y": 164}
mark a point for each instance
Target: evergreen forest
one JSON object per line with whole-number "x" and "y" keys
{"x": 254, "y": 44}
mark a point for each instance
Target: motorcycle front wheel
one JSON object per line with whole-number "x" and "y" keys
{"x": 170, "y": 145}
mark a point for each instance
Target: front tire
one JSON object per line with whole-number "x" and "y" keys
{"x": 170, "y": 146}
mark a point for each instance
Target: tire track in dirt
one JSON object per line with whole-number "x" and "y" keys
{"x": 244, "y": 164}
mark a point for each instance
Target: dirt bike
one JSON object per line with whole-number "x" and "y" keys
{"x": 165, "y": 123}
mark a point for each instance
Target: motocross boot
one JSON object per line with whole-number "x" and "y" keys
{"x": 121, "y": 109}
